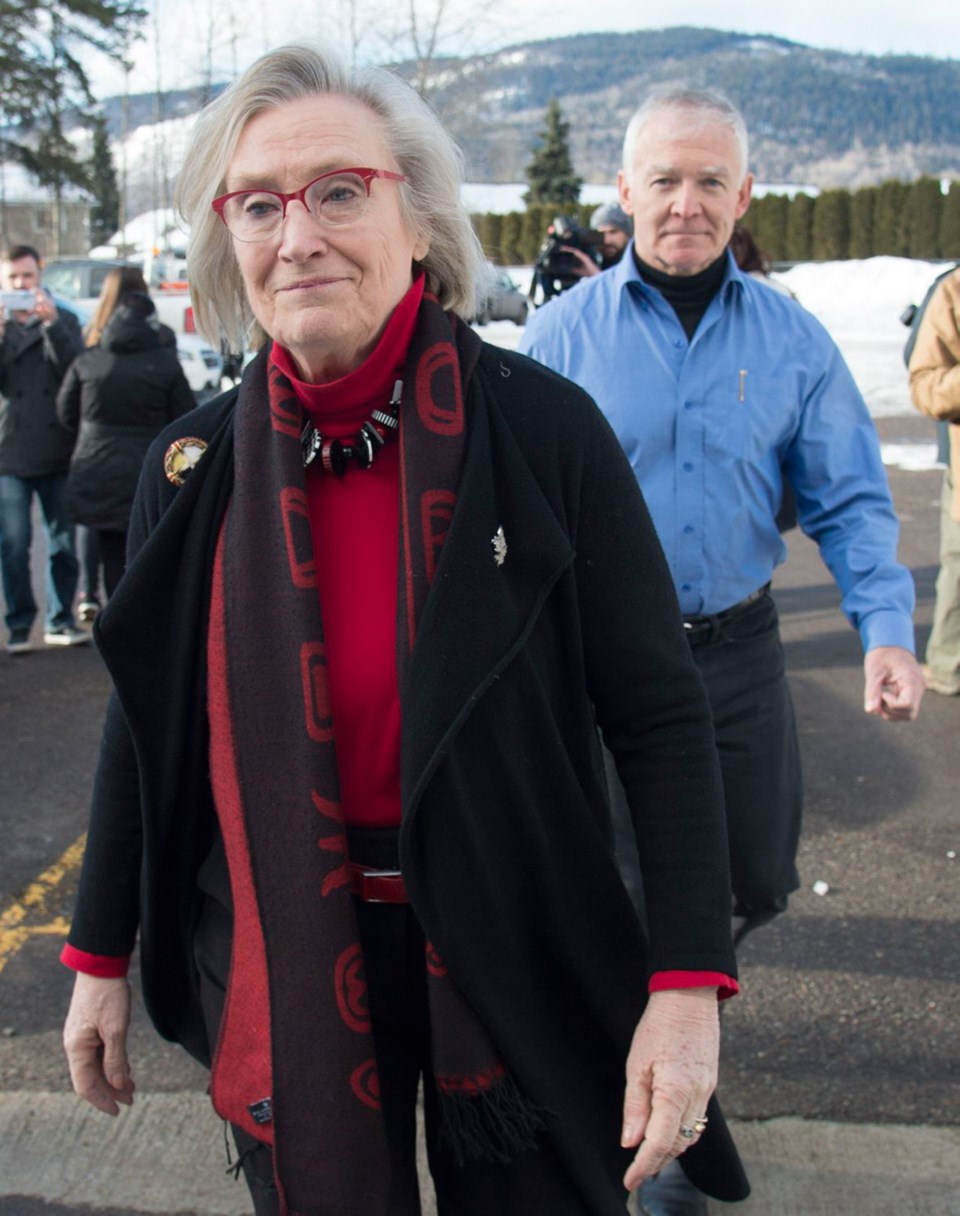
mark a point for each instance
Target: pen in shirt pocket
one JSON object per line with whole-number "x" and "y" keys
{"x": 742, "y": 385}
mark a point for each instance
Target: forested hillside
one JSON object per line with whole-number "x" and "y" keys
{"x": 816, "y": 116}
{"x": 820, "y": 117}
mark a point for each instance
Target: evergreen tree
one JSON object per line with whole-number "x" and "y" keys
{"x": 862, "y": 207}
{"x": 799, "y": 225}
{"x": 495, "y": 237}
{"x": 924, "y": 205}
{"x": 102, "y": 183}
{"x": 830, "y": 230}
{"x": 550, "y": 174}
{"x": 510, "y": 252}
{"x": 950, "y": 223}
{"x": 531, "y": 233}
{"x": 42, "y": 79}
{"x": 891, "y": 197}
{"x": 767, "y": 220}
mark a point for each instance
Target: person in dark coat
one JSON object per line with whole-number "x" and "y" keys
{"x": 350, "y": 792}
{"x": 115, "y": 398}
{"x": 118, "y": 281}
{"x": 37, "y": 345}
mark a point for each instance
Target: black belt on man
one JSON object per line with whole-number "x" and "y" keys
{"x": 708, "y": 625}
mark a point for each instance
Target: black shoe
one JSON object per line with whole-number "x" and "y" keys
{"x": 19, "y": 642}
{"x": 671, "y": 1193}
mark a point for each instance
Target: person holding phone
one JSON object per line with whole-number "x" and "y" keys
{"x": 37, "y": 345}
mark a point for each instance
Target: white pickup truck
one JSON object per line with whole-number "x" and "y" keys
{"x": 80, "y": 280}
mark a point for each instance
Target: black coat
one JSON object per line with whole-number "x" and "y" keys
{"x": 115, "y": 399}
{"x": 33, "y": 362}
{"x": 505, "y": 839}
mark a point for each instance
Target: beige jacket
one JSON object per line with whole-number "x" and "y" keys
{"x": 935, "y": 369}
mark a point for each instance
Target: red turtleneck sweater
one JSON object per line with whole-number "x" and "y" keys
{"x": 354, "y": 520}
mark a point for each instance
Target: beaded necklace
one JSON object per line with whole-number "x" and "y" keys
{"x": 336, "y": 455}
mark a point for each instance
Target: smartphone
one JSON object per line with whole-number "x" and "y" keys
{"x": 19, "y": 301}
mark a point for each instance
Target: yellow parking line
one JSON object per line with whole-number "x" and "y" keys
{"x": 24, "y": 919}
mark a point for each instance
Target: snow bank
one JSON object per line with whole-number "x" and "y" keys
{"x": 859, "y": 303}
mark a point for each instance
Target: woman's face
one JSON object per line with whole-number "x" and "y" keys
{"x": 324, "y": 293}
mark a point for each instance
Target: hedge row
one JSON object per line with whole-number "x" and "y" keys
{"x": 914, "y": 220}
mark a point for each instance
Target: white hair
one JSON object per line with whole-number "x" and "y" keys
{"x": 698, "y": 107}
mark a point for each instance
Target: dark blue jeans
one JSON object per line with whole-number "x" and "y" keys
{"x": 16, "y": 496}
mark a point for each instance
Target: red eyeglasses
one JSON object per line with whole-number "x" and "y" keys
{"x": 335, "y": 198}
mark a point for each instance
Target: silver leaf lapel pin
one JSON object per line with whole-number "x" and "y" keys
{"x": 499, "y": 542}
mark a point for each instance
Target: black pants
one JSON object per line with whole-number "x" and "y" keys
{"x": 394, "y": 963}
{"x": 742, "y": 665}
{"x": 113, "y": 552}
{"x": 744, "y": 671}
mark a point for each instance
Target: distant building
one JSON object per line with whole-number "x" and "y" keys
{"x": 36, "y": 223}
{"x": 29, "y": 216}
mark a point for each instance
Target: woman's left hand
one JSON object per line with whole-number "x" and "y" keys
{"x": 671, "y": 1073}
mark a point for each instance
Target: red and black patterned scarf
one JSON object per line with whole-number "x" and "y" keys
{"x": 306, "y": 1042}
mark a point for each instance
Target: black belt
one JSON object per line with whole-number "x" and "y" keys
{"x": 700, "y": 624}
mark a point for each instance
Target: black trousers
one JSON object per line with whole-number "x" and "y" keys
{"x": 742, "y": 664}
{"x": 394, "y": 964}
{"x": 113, "y": 551}
{"x": 744, "y": 670}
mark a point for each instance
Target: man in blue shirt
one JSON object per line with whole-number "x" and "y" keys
{"x": 718, "y": 387}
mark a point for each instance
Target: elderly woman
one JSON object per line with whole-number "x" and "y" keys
{"x": 351, "y": 789}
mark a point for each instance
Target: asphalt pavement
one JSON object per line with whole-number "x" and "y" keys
{"x": 841, "y": 1059}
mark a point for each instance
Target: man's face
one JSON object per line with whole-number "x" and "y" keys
{"x": 685, "y": 188}
{"x": 615, "y": 240}
{"x": 23, "y": 274}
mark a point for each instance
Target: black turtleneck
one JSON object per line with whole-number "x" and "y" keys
{"x": 687, "y": 294}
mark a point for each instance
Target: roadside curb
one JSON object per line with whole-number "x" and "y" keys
{"x": 802, "y": 1167}
{"x": 165, "y": 1157}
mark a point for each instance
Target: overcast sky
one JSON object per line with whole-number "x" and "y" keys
{"x": 239, "y": 30}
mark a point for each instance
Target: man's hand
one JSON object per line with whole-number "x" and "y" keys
{"x": 671, "y": 1073}
{"x": 893, "y": 684}
{"x": 587, "y": 266}
{"x": 95, "y": 1040}
{"x": 45, "y": 308}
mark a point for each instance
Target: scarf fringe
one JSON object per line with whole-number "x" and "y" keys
{"x": 494, "y": 1124}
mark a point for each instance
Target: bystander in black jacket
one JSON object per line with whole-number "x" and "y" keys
{"x": 116, "y": 397}
{"x": 33, "y": 359}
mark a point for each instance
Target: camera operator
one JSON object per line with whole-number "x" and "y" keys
{"x": 568, "y": 253}
{"x": 616, "y": 228}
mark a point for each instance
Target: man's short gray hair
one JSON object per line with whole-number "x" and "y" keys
{"x": 426, "y": 155}
{"x": 699, "y": 106}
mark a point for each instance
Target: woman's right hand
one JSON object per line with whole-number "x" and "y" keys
{"x": 95, "y": 1040}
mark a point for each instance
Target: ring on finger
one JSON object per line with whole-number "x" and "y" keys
{"x": 688, "y": 1131}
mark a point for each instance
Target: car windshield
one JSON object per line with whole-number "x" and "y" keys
{"x": 64, "y": 279}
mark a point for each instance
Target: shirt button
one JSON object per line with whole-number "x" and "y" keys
{"x": 687, "y": 528}
{"x": 684, "y": 586}
{"x": 678, "y": 343}
{"x": 688, "y": 405}
{"x": 687, "y": 467}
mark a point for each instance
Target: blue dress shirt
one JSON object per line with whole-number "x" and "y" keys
{"x": 709, "y": 424}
